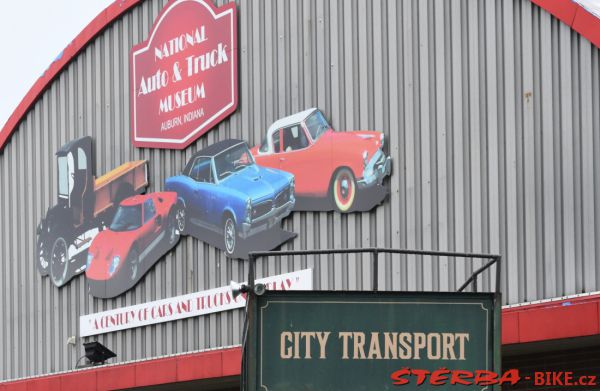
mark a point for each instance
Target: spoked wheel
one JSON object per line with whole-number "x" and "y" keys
{"x": 134, "y": 264}
{"x": 173, "y": 230}
{"x": 43, "y": 258}
{"x": 180, "y": 220}
{"x": 59, "y": 261}
{"x": 343, "y": 189}
{"x": 229, "y": 235}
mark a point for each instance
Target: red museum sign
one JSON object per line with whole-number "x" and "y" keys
{"x": 184, "y": 77}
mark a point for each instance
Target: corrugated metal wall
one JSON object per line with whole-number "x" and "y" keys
{"x": 491, "y": 109}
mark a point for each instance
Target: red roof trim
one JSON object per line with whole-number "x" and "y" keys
{"x": 562, "y": 9}
{"x": 566, "y": 318}
{"x": 587, "y": 25}
{"x": 187, "y": 367}
{"x": 575, "y": 16}
{"x": 96, "y": 26}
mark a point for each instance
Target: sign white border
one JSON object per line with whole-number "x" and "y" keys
{"x": 185, "y": 306}
{"x": 228, "y": 13}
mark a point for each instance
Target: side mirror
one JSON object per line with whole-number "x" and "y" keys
{"x": 158, "y": 220}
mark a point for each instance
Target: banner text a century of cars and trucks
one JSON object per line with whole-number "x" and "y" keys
{"x": 186, "y": 306}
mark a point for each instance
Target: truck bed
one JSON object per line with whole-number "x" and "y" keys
{"x": 106, "y": 187}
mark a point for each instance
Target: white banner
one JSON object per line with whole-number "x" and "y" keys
{"x": 186, "y": 306}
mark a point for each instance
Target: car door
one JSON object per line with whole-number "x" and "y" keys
{"x": 202, "y": 192}
{"x": 320, "y": 153}
{"x": 150, "y": 224}
{"x": 296, "y": 158}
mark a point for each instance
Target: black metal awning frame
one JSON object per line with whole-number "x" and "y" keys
{"x": 375, "y": 251}
{"x": 491, "y": 259}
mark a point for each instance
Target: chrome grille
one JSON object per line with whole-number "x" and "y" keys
{"x": 262, "y": 209}
{"x": 282, "y": 197}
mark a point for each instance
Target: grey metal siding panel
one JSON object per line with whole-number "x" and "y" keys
{"x": 491, "y": 113}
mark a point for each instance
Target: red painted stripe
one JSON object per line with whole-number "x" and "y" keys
{"x": 558, "y": 322}
{"x": 47, "y": 383}
{"x": 96, "y": 26}
{"x": 587, "y": 25}
{"x": 80, "y": 381}
{"x": 562, "y": 9}
{"x": 161, "y": 371}
{"x": 116, "y": 378}
{"x": 510, "y": 327}
{"x": 598, "y": 311}
{"x": 187, "y": 367}
{"x": 558, "y": 319}
{"x": 574, "y": 16}
{"x": 207, "y": 366}
{"x": 232, "y": 362}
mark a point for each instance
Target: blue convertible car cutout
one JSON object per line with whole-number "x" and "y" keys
{"x": 223, "y": 190}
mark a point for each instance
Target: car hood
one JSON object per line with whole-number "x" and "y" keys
{"x": 107, "y": 245}
{"x": 368, "y": 140}
{"x": 258, "y": 183}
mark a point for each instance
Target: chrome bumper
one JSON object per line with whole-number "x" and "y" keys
{"x": 376, "y": 170}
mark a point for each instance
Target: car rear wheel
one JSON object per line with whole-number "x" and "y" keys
{"x": 134, "y": 264}
{"x": 229, "y": 235}
{"x": 343, "y": 189}
{"x": 59, "y": 261}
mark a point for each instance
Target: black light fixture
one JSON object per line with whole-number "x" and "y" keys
{"x": 238, "y": 289}
{"x": 96, "y": 353}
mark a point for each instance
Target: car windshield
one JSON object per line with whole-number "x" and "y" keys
{"x": 264, "y": 146}
{"x": 316, "y": 124}
{"x": 232, "y": 160}
{"x": 127, "y": 218}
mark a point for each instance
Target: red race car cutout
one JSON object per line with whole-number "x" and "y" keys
{"x": 327, "y": 165}
{"x": 144, "y": 228}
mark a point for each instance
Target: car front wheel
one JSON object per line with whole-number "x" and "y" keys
{"x": 229, "y": 235}
{"x": 59, "y": 261}
{"x": 343, "y": 189}
{"x": 44, "y": 256}
{"x": 180, "y": 219}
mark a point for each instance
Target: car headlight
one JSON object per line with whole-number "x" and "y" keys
{"x": 248, "y": 210}
{"x": 365, "y": 157}
{"x": 90, "y": 257}
{"x": 292, "y": 188}
{"x": 114, "y": 265}
{"x": 382, "y": 140}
